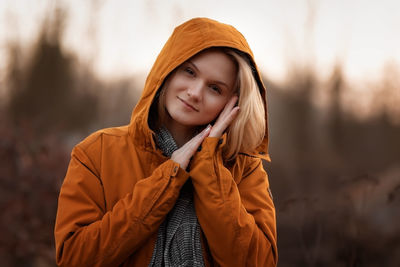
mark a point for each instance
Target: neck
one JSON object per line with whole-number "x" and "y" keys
{"x": 181, "y": 134}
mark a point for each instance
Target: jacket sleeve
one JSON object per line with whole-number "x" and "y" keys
{"x": 238, "y": 220}
{"x": 86, "y": 234}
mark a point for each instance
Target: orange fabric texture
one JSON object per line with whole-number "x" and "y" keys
{"x": 119, "y": 187}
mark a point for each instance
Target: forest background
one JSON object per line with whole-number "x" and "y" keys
{"x": 335, "y": 145}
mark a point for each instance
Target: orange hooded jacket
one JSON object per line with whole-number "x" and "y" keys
{"x": 119, "y": 187}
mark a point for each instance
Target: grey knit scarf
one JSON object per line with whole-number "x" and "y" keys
{"x": 178, "y": 239}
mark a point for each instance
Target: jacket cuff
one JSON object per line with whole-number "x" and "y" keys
{"x": 176, "y": 171}
{"x": 212, "y": 144}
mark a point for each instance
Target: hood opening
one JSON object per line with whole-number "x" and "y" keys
{"x": 187, "y": 40}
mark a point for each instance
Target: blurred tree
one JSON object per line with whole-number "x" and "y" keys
{"x": 335, "y": 124}
{"x": 42, "y": 92}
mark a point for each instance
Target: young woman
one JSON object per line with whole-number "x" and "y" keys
{"x": 183, "y": 184}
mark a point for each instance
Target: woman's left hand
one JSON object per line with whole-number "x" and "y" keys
{"x": 225, "y": 118}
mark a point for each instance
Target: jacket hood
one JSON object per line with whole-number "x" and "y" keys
{"x": 187, "y": 40}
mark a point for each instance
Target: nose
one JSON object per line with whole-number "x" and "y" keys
{"x": 195, "y": 91}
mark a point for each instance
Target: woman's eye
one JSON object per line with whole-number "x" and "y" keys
{"x": 189, "y": 71}
{"x": 215, "y": 88}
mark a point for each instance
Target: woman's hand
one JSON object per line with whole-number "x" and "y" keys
{"x": 185, "y": 153}
{"x": 227, "y": 115}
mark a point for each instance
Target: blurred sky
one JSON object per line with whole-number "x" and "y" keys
{"x": 128, "y": 35}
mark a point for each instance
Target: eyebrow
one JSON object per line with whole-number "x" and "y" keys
{"x": 215, "y": 81}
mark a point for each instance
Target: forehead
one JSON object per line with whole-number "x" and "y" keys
{"x": 213, "y": 55}
{"x": 215, "y": 64}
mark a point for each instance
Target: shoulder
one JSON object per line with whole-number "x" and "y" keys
{"x": 248, "y": 161}
{"x": 244, "y": 165}
{"x": 90, "y": 150}
{"x": 96, "y": 138}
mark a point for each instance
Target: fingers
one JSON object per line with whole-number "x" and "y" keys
{"x": 229, "y": 113}
{"x": 228, "y": 107}
{"x": 183, "y": 154}
{"x": 195, "y": 142}
{"x": 223, "y": 124}
{"x": 231, "y": 103}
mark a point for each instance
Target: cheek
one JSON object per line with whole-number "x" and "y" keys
{"x": 170, "y": 92}
{"x": 215, "y": 106}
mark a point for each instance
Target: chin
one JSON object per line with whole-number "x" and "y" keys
{"x": 192, "y": 124}
{"x": 187, "y": 122}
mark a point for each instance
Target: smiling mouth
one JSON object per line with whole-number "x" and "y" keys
{"x": 187, "y": 104}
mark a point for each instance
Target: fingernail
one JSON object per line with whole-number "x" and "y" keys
{"x": 207, "y": 129}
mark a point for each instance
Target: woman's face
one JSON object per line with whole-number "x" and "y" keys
{"x": 197, "y": 91}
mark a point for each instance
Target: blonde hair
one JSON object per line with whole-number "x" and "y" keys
{"x": 247, "y": 131}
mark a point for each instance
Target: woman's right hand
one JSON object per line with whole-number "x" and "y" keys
{"x": 185, "y": 153}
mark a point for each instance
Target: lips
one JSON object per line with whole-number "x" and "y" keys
{"x": 188, "y": 105}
